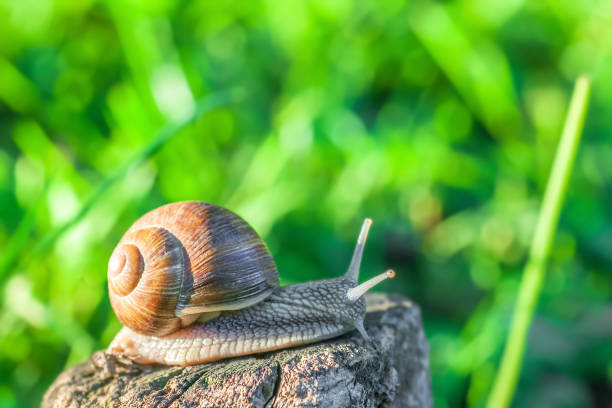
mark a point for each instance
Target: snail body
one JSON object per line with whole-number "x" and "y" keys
{"x": 193, "y": 283}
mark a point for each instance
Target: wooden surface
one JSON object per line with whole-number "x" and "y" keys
{"x": 390, "y": 371}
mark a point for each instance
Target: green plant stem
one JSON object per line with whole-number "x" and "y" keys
{"x": 533, "y": 275}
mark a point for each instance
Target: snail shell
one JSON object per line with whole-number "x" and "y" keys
{"x": 184, "y": 259}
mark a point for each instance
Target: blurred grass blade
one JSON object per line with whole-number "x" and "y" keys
{"x": 533, "y": 275}
{"x": 19, "y": 238}
{"x": 207, "y": 104}
{"x": 483, "y": 79}
{"x": 168, "y": 131}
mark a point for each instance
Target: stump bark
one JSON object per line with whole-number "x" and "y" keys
{"x": 390, "y": 371}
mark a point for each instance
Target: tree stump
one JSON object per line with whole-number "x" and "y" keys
{"x": 391, "y": 371}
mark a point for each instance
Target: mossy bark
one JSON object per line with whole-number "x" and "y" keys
{"x": 392, "y": 371}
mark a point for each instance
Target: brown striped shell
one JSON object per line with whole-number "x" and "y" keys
{"x": 184, "y": 259}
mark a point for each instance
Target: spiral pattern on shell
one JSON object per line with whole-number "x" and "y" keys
{"x": 183, "y": 259}
{"x": 145, "y": 275}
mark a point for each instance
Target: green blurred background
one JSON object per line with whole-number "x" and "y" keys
{"x": 438, "y": 120}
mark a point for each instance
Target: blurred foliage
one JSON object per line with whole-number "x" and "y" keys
{"x": 438, "y": 120}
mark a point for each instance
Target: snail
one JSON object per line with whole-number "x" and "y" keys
{"x": 192, "y": 283}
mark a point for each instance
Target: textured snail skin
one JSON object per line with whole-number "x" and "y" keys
{"x": 292, "y": 315}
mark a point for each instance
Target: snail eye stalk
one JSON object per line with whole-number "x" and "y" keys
{"x": 353, "y": 271}
{"x": 358, "y": 291}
